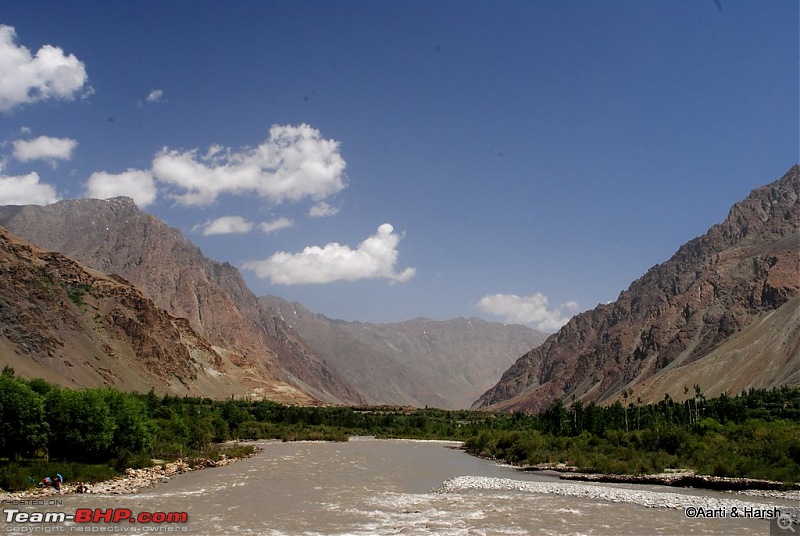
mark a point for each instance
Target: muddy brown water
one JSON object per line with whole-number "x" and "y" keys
{"x": 368, "y": 486}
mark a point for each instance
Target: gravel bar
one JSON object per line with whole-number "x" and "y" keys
{"x": 647, "y": 498}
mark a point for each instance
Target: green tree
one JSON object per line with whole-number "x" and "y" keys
{"x": 81, "y": 425}
{"x": 576, "y": 416}
{"x": 594, "y": 419}
{"x": 222, "y": 430}
{"x": 555, "y": 419}
{"x": 134, "y": 431}
{"x": 234, "y": 415}
{"x": 201, "y": 432}
{"x": 23, "y": 429}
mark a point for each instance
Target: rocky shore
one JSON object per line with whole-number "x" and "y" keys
{"x": 132, "y": 481}
{"x": 682, "y": 479}
{"x": 647, "y": 498}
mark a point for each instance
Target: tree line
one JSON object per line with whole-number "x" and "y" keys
{"x": 754, "y": 434}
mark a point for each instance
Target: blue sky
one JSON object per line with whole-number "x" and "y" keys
{"x": 531, "y": 159}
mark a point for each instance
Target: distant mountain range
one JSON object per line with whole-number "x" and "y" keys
{"x": 419, "y": 362}
{"x": 723, "y": 313}
{"x": 442, "y": 364}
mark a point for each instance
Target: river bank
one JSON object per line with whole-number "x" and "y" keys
{"x": 679, "y": 478}
{"x": 683, "y": 478}
{"x": 131, "y": 481}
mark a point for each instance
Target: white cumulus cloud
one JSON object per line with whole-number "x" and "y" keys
{"x": 156, "y": 96}
{"x": 294, "y": 163}
{"x": 226, "y": 225}
{"x": 322, "y": 209}
{"x": 375, "y": 258}
{"x": 25, "y": 79}
{"x": 133, "y": 183}
{"x": 26, "y": 190}
{"x": 276, "y": 225}
{"x": 534, "y": 310}
{"x": 44, "y": 148}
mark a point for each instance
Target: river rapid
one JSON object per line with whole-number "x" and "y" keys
{"x": 369, "y": 486}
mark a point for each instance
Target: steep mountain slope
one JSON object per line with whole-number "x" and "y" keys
{"x": 721, "y": 310}
{"x": 776, "y": 333}
{"x": 114, "y": 236}
{"x": 78, "y": 327}
{"x": 418, "y": 362}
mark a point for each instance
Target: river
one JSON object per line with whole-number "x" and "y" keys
{"x": 369, "y": 486}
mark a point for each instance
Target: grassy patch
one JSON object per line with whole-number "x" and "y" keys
{"x": 77, "y": 292}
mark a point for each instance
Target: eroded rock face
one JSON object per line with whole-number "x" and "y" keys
{"x": 77, "y": 322}
{"x": 678, "y": 313}
{"x": 114, "y": 236}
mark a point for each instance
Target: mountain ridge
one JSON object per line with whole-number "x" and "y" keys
{"x": 115, "y": 236}
{"x": 676, "y": 313}
{"x": 79, "y": 327}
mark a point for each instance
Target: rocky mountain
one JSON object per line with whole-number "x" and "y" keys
{"x": 79, "y": 327}
{"x": 723, "y": 313}
{"x": 114, "y": 236}
{"x": 419, "y": 362}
